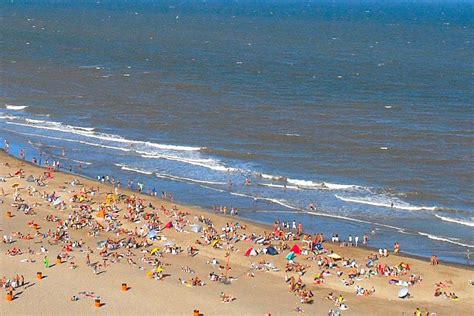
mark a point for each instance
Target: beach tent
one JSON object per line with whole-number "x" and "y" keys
{"x": 403, "y": 293}
{"x": 57, "y": 202}
{"x": 272, "y": 251}
{"x": 169, "y": 225}
{"x": 250, "y": 252}
{"x": 101, "y": 243}
{"x": 318, "y": 246}
{"x": 196, "y": 228}
{"x": 151, "y": 234}
{"x": 30, "y": 178}
{"x": 290, "y": 256}
{"x": 101, "y": 213}
{"x": 335, "y": 256}
{"x": 296, "y": 249}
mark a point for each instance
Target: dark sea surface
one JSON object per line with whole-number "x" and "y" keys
{"x": 349, "y": 107}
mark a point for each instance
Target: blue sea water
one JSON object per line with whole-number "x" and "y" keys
{"x": 350, "y": 107}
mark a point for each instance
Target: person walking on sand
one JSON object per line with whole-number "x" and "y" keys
{"x": 46, "y": 262}
{"x": 356, "y": 240}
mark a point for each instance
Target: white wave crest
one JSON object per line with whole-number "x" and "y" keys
{"x": 279, "y": 186}
{"x": 184, "y": 179}
{"x": 15, "y": 107}
{"x": 90, "y": 133}
{"x": 82, "y": 162}
{"x": 455, "y": 220}
{"x": 445, "y": 239}
{"x": 323, "y": 185}
{"x": 205, "y": 163}
{"x": 128, "y": 168}
{"x": 385, "y": 202}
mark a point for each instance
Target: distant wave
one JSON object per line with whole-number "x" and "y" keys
{"x": 125, "y": 167}
{"x": 385, "y": 202}
{"x": 132, "y": 145}
{"x": 82, "y": 162}
{"x": 270, "y": 177}
{"x": 307, "y": 184}
{"x": 292, "y": 135}
{"x": 445, "y": 239}
{"x": 205, "y": 162}
{"x": 184, "y": 179}
{"x": 89, "y": 132}
{"x": 323, "y": 185}
{"x": 455, "y": 220}
{"x": 6, "y": 116}
{"x": 278, "y": 186}
{"x": 15, "y": 107}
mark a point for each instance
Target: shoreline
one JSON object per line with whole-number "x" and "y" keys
{"x": 262, "y": 225}
{"x": 251, "y": 287}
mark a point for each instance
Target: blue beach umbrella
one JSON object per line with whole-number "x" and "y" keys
{"x": 151, "y": 234}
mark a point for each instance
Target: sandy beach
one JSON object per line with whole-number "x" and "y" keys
{"x": 167, "y": 269}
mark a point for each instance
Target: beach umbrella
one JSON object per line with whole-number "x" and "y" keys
{"x": 101, "y": 243}
{"x": 30, "y": 178}
{"x": 14, "y": 185}
{"x": 290, "y": 256}
{"x": 154, "y": 250}
{"x": 215, "y": 242}
{"x": 403, "y": 292}
{"x": 196, "y": 228}
{"x": 57, "y": 201}
{"x": 151, "y": 234}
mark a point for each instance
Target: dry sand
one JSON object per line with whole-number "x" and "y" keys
{"x": 265, "y": 293}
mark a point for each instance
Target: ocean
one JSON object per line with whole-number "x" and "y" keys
{"x": 363, "y": 110}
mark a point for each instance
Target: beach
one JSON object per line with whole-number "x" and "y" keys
{"x": 164, "y": 281}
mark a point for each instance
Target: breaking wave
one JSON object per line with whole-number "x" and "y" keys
{"x": 385, "y": 202}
